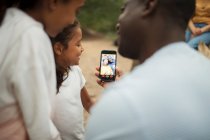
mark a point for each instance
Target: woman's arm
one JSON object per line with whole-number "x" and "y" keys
{"x": 86, "y": 101}
{"x": 191, "y": 25}
{"x": 34, "y": 85}
{"x": 195, "y": 31}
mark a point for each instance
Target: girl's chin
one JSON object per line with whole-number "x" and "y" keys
{"x": 76, "y": 63}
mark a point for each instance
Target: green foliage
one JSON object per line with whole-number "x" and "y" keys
{"x": 100, "y": 15}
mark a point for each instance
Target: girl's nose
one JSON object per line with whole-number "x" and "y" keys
{"x": 82, "y": 49}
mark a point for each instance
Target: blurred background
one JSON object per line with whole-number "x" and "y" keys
{"x": 100, "y": 16}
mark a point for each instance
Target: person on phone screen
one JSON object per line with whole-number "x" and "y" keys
{"x": 166, "y": 97}
{"x": 106, "y": 68}
{"x": 111, "y": 59}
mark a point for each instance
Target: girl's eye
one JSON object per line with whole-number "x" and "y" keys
{"x": 79, "y": 45}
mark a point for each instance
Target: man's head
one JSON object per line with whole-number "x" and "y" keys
{"x": 142, "y": 21}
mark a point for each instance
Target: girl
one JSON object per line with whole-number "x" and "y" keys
{"x": 72, "y": 93}
{"x": 27, "y": 69}
{"x": 199, "y": 25}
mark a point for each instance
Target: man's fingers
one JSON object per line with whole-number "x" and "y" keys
{"x": 97, "y": 68}
{"x": 97, "y": 74}
{"x": 119, "y": 72}
{"x": 100, "y": 82}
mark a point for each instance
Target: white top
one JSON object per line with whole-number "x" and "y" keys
{"x": 69, "y": 108}
{"x": 28, "y": 82}
{"x": 165, "y": 98}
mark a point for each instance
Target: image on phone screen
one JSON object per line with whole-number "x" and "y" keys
{"x": 108, "y": 66}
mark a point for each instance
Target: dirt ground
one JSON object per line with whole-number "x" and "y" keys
{"x": 90, "y": 59}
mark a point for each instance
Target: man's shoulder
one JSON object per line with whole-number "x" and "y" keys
{"x": 168, "y": 67}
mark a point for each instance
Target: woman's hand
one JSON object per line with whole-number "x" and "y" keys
{"x": 197, "y": 31}
{"x": 119, "y": 74}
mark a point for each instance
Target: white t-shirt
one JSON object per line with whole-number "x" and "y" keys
{"x": 68, "y": 106}
{"x": 28, "y": 82}
{"x": 165, "y": 98}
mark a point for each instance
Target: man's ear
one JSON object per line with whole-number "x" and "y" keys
{"x": 150, "y": 7}
{"x": 58, "y": 48}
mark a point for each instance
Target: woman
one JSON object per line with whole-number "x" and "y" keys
{"x": 27, "y": 69}
{"x": 199, "y": 25}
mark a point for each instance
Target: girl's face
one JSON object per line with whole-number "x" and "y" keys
{"x": 71, "y": 55}
{"x": 60, "y": 15}
{"x": 105, "y": 62}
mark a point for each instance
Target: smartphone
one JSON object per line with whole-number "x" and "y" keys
{"x": 108, "y": 62}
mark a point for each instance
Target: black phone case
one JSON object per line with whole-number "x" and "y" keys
{"x": 111, "y": 52}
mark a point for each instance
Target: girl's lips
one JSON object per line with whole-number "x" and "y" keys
{"x": 79, "y": 57}
{"x": 79, "y": 54}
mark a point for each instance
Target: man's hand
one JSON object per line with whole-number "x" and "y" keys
{"x": 119, "y": 74}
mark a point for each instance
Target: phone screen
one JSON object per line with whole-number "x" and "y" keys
{"x": 108, "y": 65}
